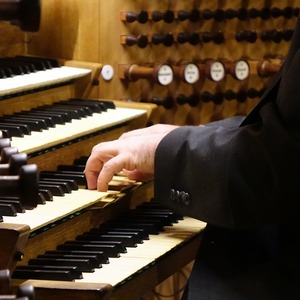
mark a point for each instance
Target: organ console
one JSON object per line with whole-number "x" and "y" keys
{"x": 51, "y": 227}
{"x": 51, "y": 117}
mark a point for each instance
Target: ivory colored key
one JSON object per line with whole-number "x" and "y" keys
{"x": 145, "y": 254}
{"x": 74, "y": 129}
{"x": 57, "y": 209}
{"x": 27, "y": 82}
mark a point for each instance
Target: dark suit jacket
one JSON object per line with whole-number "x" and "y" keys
{"x": 243, "y": 179}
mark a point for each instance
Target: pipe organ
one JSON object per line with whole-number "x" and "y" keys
{"x": 75, "y": 73}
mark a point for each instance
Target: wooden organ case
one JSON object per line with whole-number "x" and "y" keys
{"x": 180, "y": 56}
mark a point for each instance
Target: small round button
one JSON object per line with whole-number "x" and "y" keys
{"x": 217, "y": 71}
{"x": 242, "y": 70}
{"x": 107, "y": 72}
{"x": 165, "y": 75}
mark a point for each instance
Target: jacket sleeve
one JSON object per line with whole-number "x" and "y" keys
{"x": 229, "y": 175}
{"x": 239, "y": 175}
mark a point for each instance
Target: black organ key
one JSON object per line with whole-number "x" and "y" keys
{"x": 127, "y": 239}
{"x": 68, "y": 113}
{"x": 119, "y": 245}
{"x": 30, "y": 68}
{"x": 133, "y": 216}
{"x": 71, "y": 184}
{"x": 32, "y": 124}
{"x": 40, "y": 63}
{"x": 12, "y": 130}
{"x": 2, "y": 74}
{"x": 107, "y": 104}
{"x": 23, "y": 127}
{"x": 8, "y": 72}
{"x": 109, "y": 250}
{"x": 48, "y": 196}
{"x": 78, "y": 177}
{"x": 65, "y": 116}
{"x": 88, "y": 106}
{"x": 13, "y": 201}
{"x": 99, "y": 256}
{"x": 48, "y": 121}
{"x": 72, "y": 168}
{"x": 149, "y": 227}
{"x": 80, "y": 161}
{"x": 41, "y": 198}
{"x": 97, "y": 106}
{"x": 169, "y": 215}
{"x": 55, "y": 189}
{"x": 134, "y": 236}
{"x": 54, "y": 117}
{"x": 161, "y": 218}
{"x": 73, "y": 271}
{"x": 141, "y": 232}
{"x": 5, "y": 133}
{"x": 63, "y": 273}
{"x": 7, "y": 210}
{"x": 50, "y": 62}
{"x": 155, "y": 206}
{"x": 35, "y": 65}
{"x": 84, "y": 265}
{"x": 13, "y": 68}
{"x": 92, "y": 261}
{"x": 83, "y": 110}
{"x": 64, "y": 185}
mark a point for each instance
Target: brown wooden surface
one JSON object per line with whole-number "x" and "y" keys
{"x": 13, "y": 239}
{"x": 91, "y": 31}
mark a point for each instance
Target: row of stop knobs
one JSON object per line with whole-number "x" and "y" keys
{"x": 195, "y": 38}
{"x": 195, "y": 15}
{"x": 195, "y": 99}
{"x": 191, "y": 72}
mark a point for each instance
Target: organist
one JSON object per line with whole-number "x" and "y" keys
{"x": 241, "y": 176}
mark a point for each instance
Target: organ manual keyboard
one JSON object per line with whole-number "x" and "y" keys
{"x": 56, "y": 126}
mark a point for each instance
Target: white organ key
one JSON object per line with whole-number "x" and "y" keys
{"x": 27, "y": 82}
{"x": 76, "y": 128}
{"x": 57, "y": 209}
{"x": 144, "y": 254}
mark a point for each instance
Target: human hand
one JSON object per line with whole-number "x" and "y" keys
{"x": 132, "y": 153}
